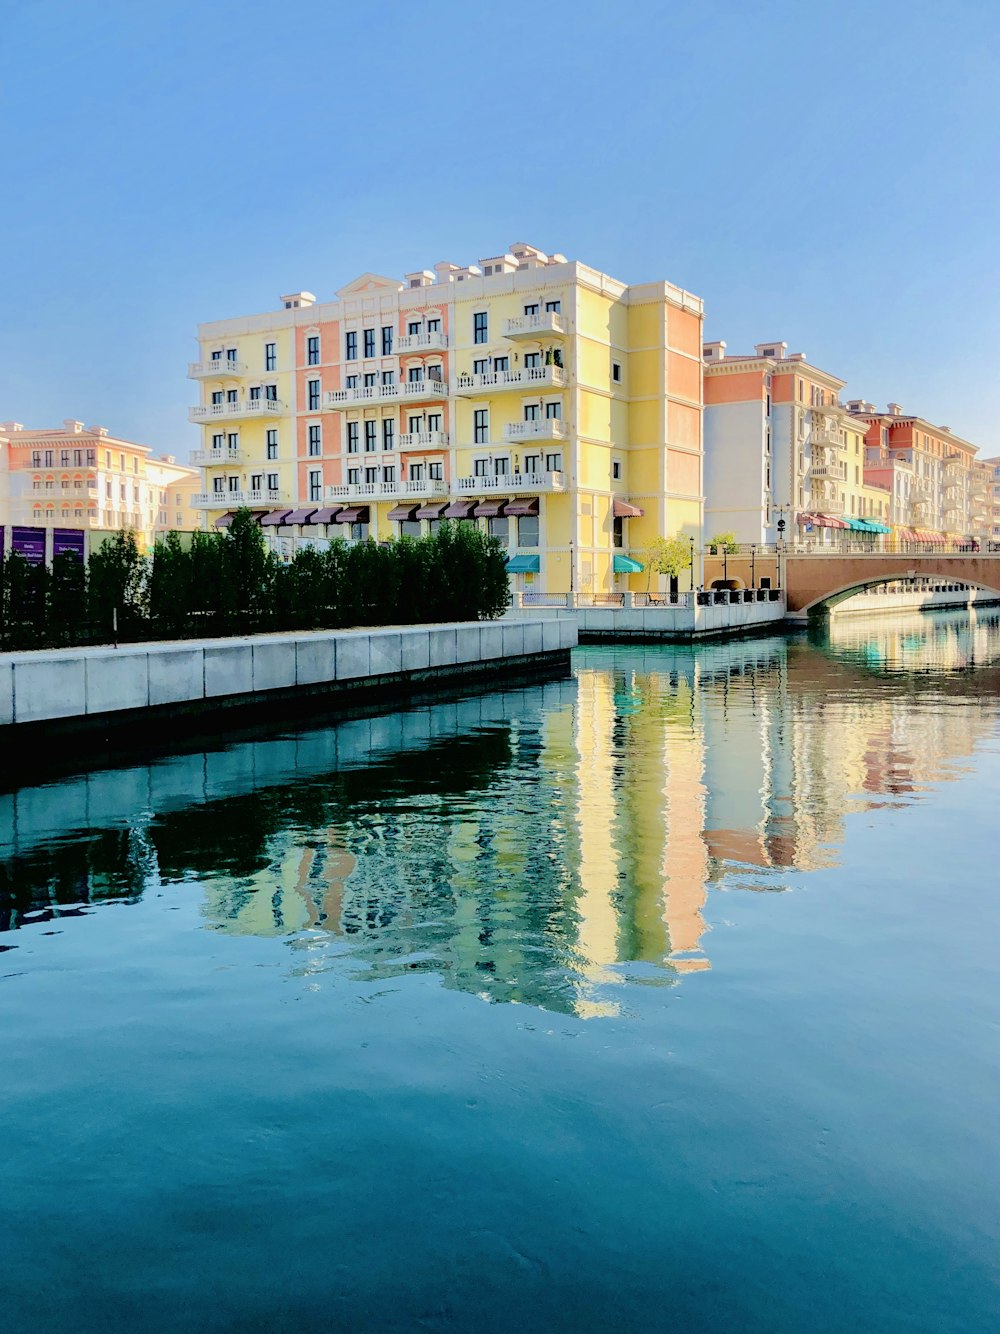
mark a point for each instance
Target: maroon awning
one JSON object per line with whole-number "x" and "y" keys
{"x": 300, "y": 516}
{"x": 803, "y": 519}
{"x": 224, "y": 520}
{"x": 273, "y": 518}
{"x": 520, "y": 508}
{"x": 324, "y": 516}
{"x": 402, "y": 512}
{"x": 490, "y": 509}
{"x": 353, "y": 514}
{"x": 623, "y": 510}
{"x": 433, "y": 511}
{"x": 460, "y": 509}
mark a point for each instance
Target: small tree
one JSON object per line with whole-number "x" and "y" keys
{"x": 725, "y": 542}
{"x": 666, "y": 555}
{"x": 117, "y": 583}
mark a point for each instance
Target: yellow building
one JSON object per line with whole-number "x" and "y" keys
{"x": 555, "y": 406}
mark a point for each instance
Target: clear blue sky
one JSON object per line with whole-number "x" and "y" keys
{"x": 823, "y": 173}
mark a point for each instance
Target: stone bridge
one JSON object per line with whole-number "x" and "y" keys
{"x": 814, "y": 581}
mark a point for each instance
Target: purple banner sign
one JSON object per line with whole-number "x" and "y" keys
{"x": 72, "y": 540}
{"x": 30, "y": 542}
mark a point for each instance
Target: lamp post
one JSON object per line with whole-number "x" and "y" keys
{"x": 692, "y": 564}
{"x": 753, "y": 565}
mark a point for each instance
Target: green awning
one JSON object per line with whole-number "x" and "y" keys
{"x": 522, "y": 565}
{"x": 626, "y": 565}
{"x": 857, "y": 525}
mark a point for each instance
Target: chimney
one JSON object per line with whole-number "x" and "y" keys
{"x": 894, "y": 409}
{"x": 102, "y": 431}
{"x": 295, "y": 300}
{"x": 714, "y": 351}
{"x": 11, "y": 427}
{"x": 773, "y": 350}
{"x": 419, "y": 278}
{"x": 72, "y": 426}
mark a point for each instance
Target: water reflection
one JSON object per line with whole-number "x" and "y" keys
{"x": 532, "y": 846}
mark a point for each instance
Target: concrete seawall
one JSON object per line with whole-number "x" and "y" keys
{"x": 88, "y": 689}
{"x": 686, "y": 621}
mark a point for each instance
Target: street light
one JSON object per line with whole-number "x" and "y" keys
{"x": 692, "y": 564}
{"x": 753, "y": 565}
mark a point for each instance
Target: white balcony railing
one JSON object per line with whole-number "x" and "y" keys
{"x": 418, "y": 490}
{"x": 534, "y": 326}
{"x": 826, "y": 504}
{"x": 421, "y": 342}
{"x": 530, "y": 377}
{"x": 833, "y": 471}
{"x": 207, "y": 370}
{"x": 829, "y": 436}
{"x": 230, "y": 500}
{"x": 243, "y": 407}
{"x": 410, "y": 391}
{"x": 206, "y": 458}
{"x": 423, "y": 440}
{"x": 510, "y": 482}
{"x": 543, "y": 428}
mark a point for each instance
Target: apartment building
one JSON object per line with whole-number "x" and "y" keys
{"x": 783, "y": 455}
{"x": 556, "y": 406}
{"x": 949, "y": 490}
{"x": 85, "y": 479}
{"x": 991, "y": 470}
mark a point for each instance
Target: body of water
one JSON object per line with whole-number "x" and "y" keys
{"x": 662, "y": 996}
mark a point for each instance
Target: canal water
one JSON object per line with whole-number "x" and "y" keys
{"x": 662, "y": 996}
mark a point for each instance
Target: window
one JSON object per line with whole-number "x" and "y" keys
{"x": 481, "y": 366}
{"x": 312, "y": 393}
{"x": 91, "y": 458}
{"x": 481, "y": 425}
{"x": 36, "y": 458}
{"x": 315, "y": 484}
{"x": 618, "y": 532}
{"x": 371, "y": 436}
{"x": 350, "y": 346}
{"x": 254, "y": 393}
{"x": 234, "y": 483}
{"x": 232, "y": 396}
{"x": 553, "y": 411}
{"x": 217, "y": 356}
{"x": 386, "y": 340}
{"x": 532, "y": 412}
{"x": 216, "y": 399}
{"x": 531, "y": 308}
{"x": 256, "y": 481}
{"x": 415, "y": 424}
{"x": 353, "y": 476}
{"x": 480, "y": 467}
{"x": 353, "y": 434}
{"x": 351, "y": 382}
{"x": 616, "y": 471}
{"x": 64, "y": 458}
{"x": 233, "y": 440}
{"x": 415, "y": 374}
{"x": 369, "y": 342}
{"x": 272, "y": 444}
{"x": 501, "y": 467}
{"x": 230, "y": 353}
{"x": 553, "y": 307}
{"x": 270, "y": 356}
{"x": 388, "y": 377}
{"x": 416, "y": 472}
{"x": 409, "y": 527}
{"x": 435, "y": 472}
{"x": 371, "y": 475}
{"x": 388, "y": 434}
{"x": 532, "y": 360}
{"x": 480, "y": 327}
{"x": 500, "y": 528}
{"x": 616, "y": 372}
{"x": 371, "y": 379}
{"x": 218, "y": 441}
{"x": 315, "y": 440}
{"x": 312, "y": 351}
{"x": 434, "y": 420}
{"x": 501, "y": 365}
{"x": 389, "y": 473}
{"x": 527, "y": 530}
{"x": 218, "y": 486}
{"x": 434, "y": 326}
{"x": 553, "y": 463}
{"x": 359, "y": 532}
{"x": 413, "y": 327}
{"x": 272, "y": 481}
{"x": 532, "y": 462}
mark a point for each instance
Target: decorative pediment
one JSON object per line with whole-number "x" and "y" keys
{"x": 370, "y": 282}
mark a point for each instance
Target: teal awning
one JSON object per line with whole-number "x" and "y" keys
{"x": 868, "y": 526}
{"x": 626, "y": 565}
{"x": 857, "y": 525}
{"x": 522, "y": 565}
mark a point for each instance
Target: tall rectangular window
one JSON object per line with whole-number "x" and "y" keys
{"x": 386, "y": 340}
{"x": 233, "y": 440}
{"x": 388, "y": 377}
{"x": 272, "y": 444}
{"x": 312, "y": 350}
{"x": 270, "y": 356}
{"x": 312, "y": 392}
{"x": 371, "y": 475}
{"x": 272, "y": 481}
{"x": 353, "y": 434}
{"x": 256, "y": 481}
{"x": 351, "y": 346}
{"x": 369, "y": 342}
{"x": 435, "y": 472}
{"x": 388, "y": 434}
{"x": 315, "y": 484}
{"x": 218, "y": 441}
{"x": 481, "y": 366}
{"x": 353, "y": 476}
{"x": 415, "y": 374}
{"x": 481, "y": 426}
{"x": 416, "y": 472}
{"x": 415, "y": 424}
{"x": 434, "y": 420}
{"x": 480, "y": 327}
{"x": 553, "y": 463}
{"x": 553, "y": 307}
{"x": 232, "y": 395}
{"x": 413, "y": 327}
{"x": 315, "y": 440}
{"x": 532, "y": 411}
{"x": 371, "y": 437}
{"x": 553, "y": 411}
{"x": 434, "y": 325}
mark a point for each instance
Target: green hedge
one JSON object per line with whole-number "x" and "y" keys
{"x": 230, "y": 583}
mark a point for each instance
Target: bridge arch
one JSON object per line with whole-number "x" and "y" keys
{"x": 814, "y": 583}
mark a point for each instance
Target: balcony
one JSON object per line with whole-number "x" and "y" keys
{"x": 543, "y": 428}
{"x": 207, "y": 458}
{"x": 829, "y": 436}
{"x": 408, "y": 344}
{"x": 531, "y": 377}
{"x": 243, "y": 407}
{"x": 208, "y": 370}
{"x": 231, "y": 500}
{"x": 410, "y": 391}
{"x": 834, "y": 472}
{"x": 548, "y": 324}
{"x": 403, "y": 490}
{"x": 425, "y": 440}
{"x": 517, "y": 483}
{"x": 952, "y": 492}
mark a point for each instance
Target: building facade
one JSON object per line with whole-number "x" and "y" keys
{"x": 74, "y": 477}
{"x": 554, "y": 405}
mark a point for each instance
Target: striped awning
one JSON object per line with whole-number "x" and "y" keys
{"x": 354, "y": 514}
{"x": 224, "y": 520}
{"x": 329, "y": 515}
{"x": 521, "y": 508}
{"x": 490, "y": 509}
{"x": 300, "y": 516}
{"x": 433, "y": 511}
{"x": 623, "y": 510}
{"x": 460, "y": 509}
{"x": 273, "y": 518}
{"x": 402, "y": 512}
